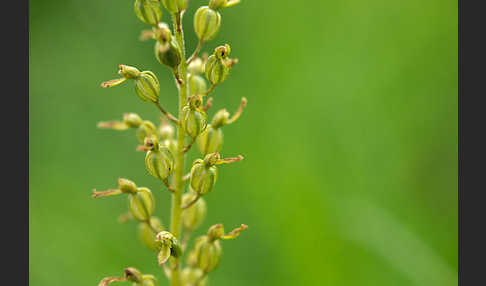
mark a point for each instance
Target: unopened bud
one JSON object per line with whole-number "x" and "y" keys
{"x": 220, "y": 118}
{"x": 147, "y": 86}
{"x": 127, "y": 186}
{"x": 132, "y": 120}
{"x": 166, "y": 131}
{"x": 206, "y": 23}
{"x": 142, "y": 204}
{"x": 196, "y": 84}
{"x": 175, "y": 6}
{"x": 206, "y": 254}
{"x": 159, "y": 161}
{"x": 196, "y": 66}
{"x": 148, "y": 11}
{"x": 194, "y": 119}
{"x": 193, "y": 216}
{"x": 218, "y": 4}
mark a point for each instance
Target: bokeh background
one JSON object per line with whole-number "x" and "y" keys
{"x": 349, "y": 138}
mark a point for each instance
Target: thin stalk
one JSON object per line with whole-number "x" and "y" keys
{"x": 175, "y": 221}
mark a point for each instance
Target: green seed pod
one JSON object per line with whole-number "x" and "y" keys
{"x": 194, "y": 119}
{"x": 148, "y": 11}
{"x": 196, "y": 66}
{"x": 167, "y": 50}
{"x": 196, "y": 84}
{"x": 147, "y": 86}
{"x": 132, "y": 120}
{"x": 203, "y": 177}
{"x": 128, "y": 72}
{"x": 206, "y": 254}
{"x": 147, "y": 235}
{"x": 191, "y": 276}
{"x": 175, "y": 6}
{"x": 146, "y": 129}
{"x": 171, "y": 144}
{"x": 206, "y": 23}
{"x": 193, "y": 216}
{"x": 142, "y": 204}
{"x": 168, "y": 245}
{"x": 216, "y": 68}
{"x": 210, "y": 140}
{"x": 159, "y": 161}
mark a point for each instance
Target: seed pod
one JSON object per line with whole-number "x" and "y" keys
{"x": 194, "y": 119}
{"x": 147, "y": 235}
{"x": 206, "y": 23}
{"x": 127, "y": 186}
{"x": 210, "y": 140}
{"x": 196, "y": 84}
{"x": 142, "y": 204}
{"x": 206, "y": 254}
{"x": 132, "y": 120}
{"x": 171, "y": 144}
{"x": 167, "y": 50}
{"x": 193, "y": 276}
{"x": 193, "y": 216}
{"x": 147, "y": 86}
{"x": 159, "y": 161}
{"x": 168, "y": 245}
{"x": 175, "y": 6}
{"x": 203, "y": 177}
{"x": 148, "y": 11}
{"x": 216, "y": 68}
{"x": 146, "y": 129}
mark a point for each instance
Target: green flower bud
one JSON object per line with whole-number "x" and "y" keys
{"x": 168, "y": 245}
{"x": 194, "y": 119}
{"x": 128, "y": 72}
{"x": 146, "y": 129}
{"x": 158, "y": 161}
{"x": 148, "y": 11}
{"x": 203, "y": 177}
{"x": 193, "y": 216}
{"x": 147, "y": 86}
{"x": 171, "y": 144}
{"x": 132, "y": 120}
{"x": 191, "y": 276}
{"x": 127, "y": 186}
{"x": 196, "y": 84}
{"x": 175, "y": 6}
{"x": 149, "y": 280}
{"x": 166, "y": 131}
{"x": 141, "y": 204}
{"x": 196, "y": 66}
{"x": 210, "y": 140}
{"x": 218, "y": 4}
{"x": 206, "y": 23}
{"x": 133, "y": 275}
{"x": 220, "y": 118}
{"x": 147, "y": 235}
{"x": 167, "y": 50}
{"x": 206, "y": 254}
{"x": 216, "y": 68}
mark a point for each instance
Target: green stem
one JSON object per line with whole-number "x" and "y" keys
{"x": 175, "y": 222}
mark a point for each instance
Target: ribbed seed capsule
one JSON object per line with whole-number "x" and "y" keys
{"x": 196, "y": 84}
{"x": 194, "y": 119}
{"x": 147, "y": 86}
{"x": 159, "y": 161}
{"x": 148, "y": 11}
{"x": 193, "y": 216}
{"x": 175, "y": 6}
{"x": 206, "y": 23}
{"x": 206, "y": 254}
{"x": 146, "y": 129}
{"x": 210, "y": 140}
{"x": 141, "y": 204}
{"x": 203, "y": 177}
{"x": 170, "y": 56}
{"x": 216, "y": 68}
{"x": 191, "y": 276}
{"x": 147, "y": 235}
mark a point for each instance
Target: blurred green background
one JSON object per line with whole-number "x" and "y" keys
{"x": 349, "y": 138}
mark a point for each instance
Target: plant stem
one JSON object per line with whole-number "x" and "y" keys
{"x": 175, "y": 222}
